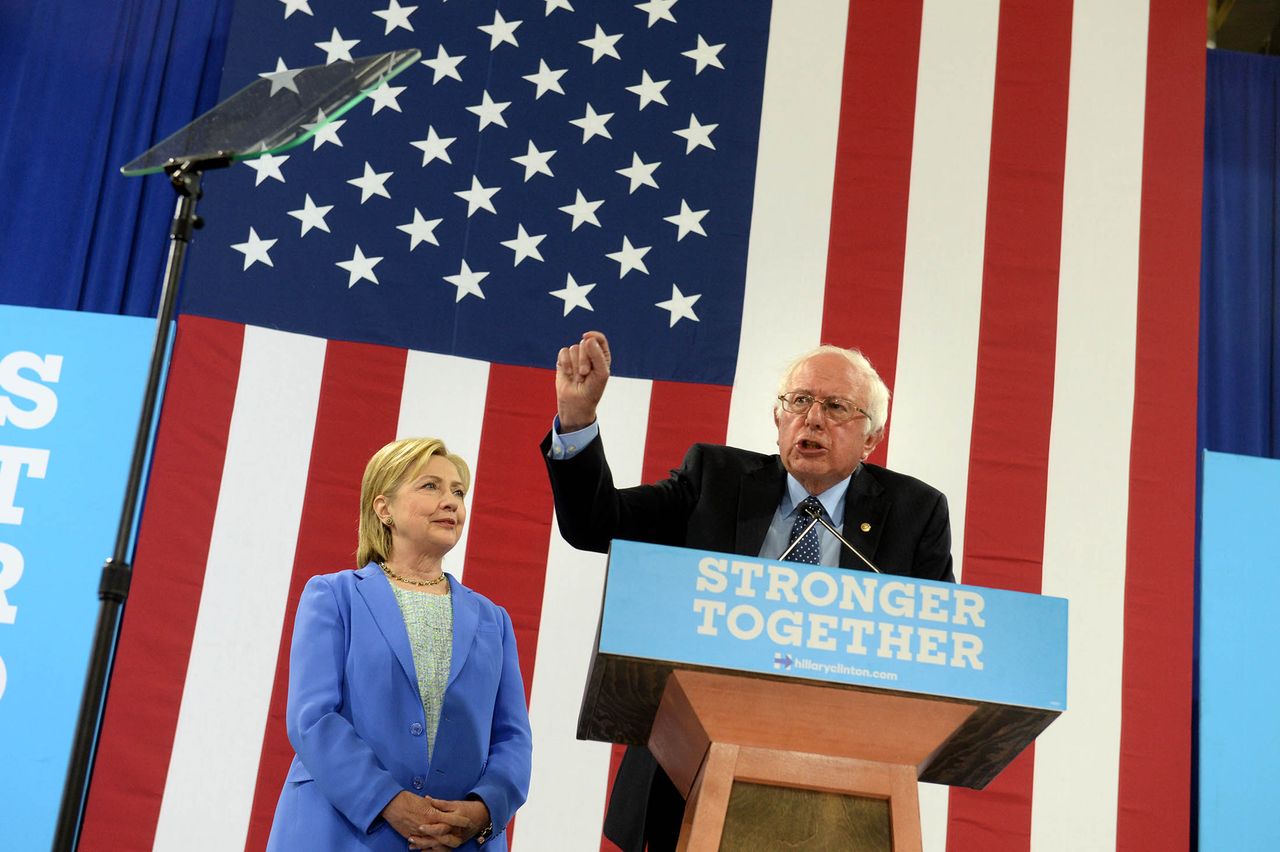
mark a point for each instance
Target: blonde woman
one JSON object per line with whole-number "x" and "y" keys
{"x": 406, "y": 707}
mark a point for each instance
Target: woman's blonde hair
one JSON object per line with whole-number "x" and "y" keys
{"x": 389, "y": 468}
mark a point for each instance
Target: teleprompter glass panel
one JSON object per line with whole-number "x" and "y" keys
{"x": 274, "y": 113}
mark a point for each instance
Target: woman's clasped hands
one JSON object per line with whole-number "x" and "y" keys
{"x": 435, "y": 824}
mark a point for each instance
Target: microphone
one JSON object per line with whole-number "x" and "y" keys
{"x": 816, "y": 515}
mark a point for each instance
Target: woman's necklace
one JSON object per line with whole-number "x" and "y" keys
{"x": 393, "y": 575}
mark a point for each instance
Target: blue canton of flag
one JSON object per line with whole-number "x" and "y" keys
{"x": 550, "y": 166}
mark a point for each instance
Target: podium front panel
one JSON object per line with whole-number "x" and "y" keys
{"x": 834, "y": 626}
{"x": 668, "y": 608}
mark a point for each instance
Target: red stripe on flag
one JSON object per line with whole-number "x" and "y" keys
{"x": 1013, "y": 395}
{"x": 511, "y": 513}
{"x": 680, "y": 415}
{"x": 359, "y": 403}
{"x": 867, "y": 246}
{"x": 1154, "y": 801}
{"x": 173, "y": 547}
{"x": 512, "y": 510}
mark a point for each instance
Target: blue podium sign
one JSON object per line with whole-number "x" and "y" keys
{"x": 70, "y": 392}
{"x": 835, "y": 626}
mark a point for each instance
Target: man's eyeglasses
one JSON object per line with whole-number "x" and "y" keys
{"x": 835, "y": 409}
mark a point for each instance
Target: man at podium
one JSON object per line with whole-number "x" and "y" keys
{"x": 830, "y": 412}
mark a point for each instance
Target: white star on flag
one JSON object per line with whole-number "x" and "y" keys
{"x": 489, "y": 110}
{"x": 696, "y": 134}
{"x": 601, "y": 45}
{"x": 630, "y": 257}
{"x": 679, "y": 305}
{"x": 434, "y": 147}
{"x": 687, "y": 221}
{"x": 658, "y": 10}
{"x": 705, "y": 54}
{"x": 282, "y": 77}
{"x": 649, "y": 90}
{"x": 535, "y": 162}
{"x": 255, "y": 250}
{"x": 396, "y": 16}
{"x": 525, "y": 245}
{"x": 337, "y": 48}
{"x": 573, "y": 294}
{"x": 583, "y": 210}
{"x": 552, "y": 5}
{"x": 386, "y": 96}
{"x": 291, "y": 6}
{"x": 546, "y": 79}
{"x": 371, "y": 183}
{"x": 324, "y": 132}
{"x": 593, "y": 124}
{"x": 640, "y": 174}
{"x": 467, "y": 282}
{"x": 444, "y": 65}
{"x": 312, "y": 216}
{"x": 500, "y": 31}
{"x": 420, "y": 230}
{"x": 478, "y": 197}
{"x": 359, "y": 268}
{"x": 267, "y": 166}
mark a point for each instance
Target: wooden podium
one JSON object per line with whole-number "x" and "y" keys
{"x": 781, "y": 759}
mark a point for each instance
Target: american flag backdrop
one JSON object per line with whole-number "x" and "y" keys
{"x": 998, "y": 201}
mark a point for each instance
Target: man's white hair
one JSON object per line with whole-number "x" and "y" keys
{"x": 877, "y": 399}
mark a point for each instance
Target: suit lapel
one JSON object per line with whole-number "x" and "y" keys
{"x": 376, "y": 591}
{"x": 757, "y": 502}
{"x": 466, "y": 616}
{"x": 865, "y": 508}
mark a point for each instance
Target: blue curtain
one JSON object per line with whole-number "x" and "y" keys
{"x": 1239, "y": 394}
{"x": 86, "y": 86}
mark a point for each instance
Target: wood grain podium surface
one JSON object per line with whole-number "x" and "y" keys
{"x": 623, "y": 694}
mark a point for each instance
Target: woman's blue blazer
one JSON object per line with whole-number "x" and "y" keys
{"x": 356, "y": 722}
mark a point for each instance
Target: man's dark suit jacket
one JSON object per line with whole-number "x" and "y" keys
{"x": 724, "y": 499}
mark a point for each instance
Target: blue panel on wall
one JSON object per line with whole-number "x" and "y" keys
{"x": 1239, "y": 672}
{"x": 70, "y": 391}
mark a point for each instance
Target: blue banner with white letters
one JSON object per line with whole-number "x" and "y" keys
{"x": 834, "y": 625}
{"x": 70, "y": 392}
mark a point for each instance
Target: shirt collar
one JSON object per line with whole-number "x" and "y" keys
{"x": 832, "y": 500}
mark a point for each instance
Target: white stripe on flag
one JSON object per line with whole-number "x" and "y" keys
{"x": 567, "y": 792}
{"x": 791, "y": 213}
{"x": 1088, "y": 488}
{"x": 218, "y": 741}
{"x": 931, "y": 418}
{"x": 444, "y": 397}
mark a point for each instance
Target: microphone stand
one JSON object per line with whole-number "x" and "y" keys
{"x": 816, "y": 515}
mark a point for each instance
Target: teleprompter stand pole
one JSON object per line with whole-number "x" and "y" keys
{"x": 113, "y": 588}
